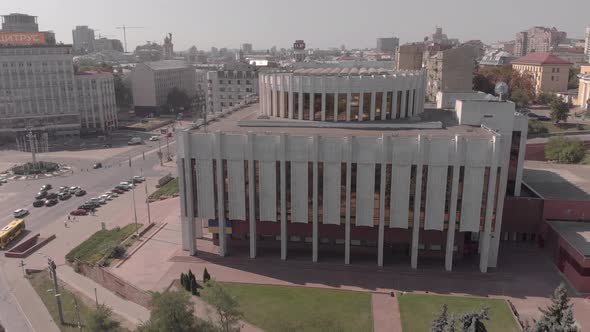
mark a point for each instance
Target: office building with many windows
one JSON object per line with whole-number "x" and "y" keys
{"x": 230, "y": 85}
{"x": 311, "y": 170}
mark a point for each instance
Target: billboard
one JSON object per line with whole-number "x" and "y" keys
{"x": 22, "y": 38}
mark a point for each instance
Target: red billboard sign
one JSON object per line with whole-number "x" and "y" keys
{"x": 22, "y": 38}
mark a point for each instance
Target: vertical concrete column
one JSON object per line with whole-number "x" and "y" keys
{"x": 403, "y": 101}
{"x": 394, "y": 102}
{"x": 411, "y": 101}
{"x": 417, "y": 201}
{"x": 336, "y": 92}
{"x": 453, "y": 207}
{"x": 361, "y": 102}
{"x": 281, "y": 89}
{"x": 283, "y": 156}
{"x": 220, "y": 194}
{"x": 311, "y": 98}
{"x": 382, "y": 201}
{"x": 315, "y": 143}
{"x": 300, "y": 94}
{"x": 261, "y": 94}
{"x": 484, "y": 255}
{"x": 372, "y": 108}
{"x": 290, "y": 96}
{"x": 348, "y": 98}
{"x": 275, "y": 100}
{"x": 506, "y": 142}
{"x": 520, "y": 163}
{"x": 384, "y": 109}
{"x": 251, "y": 192}
{"x": 187, "y": 199}
{"x": 348, "y": 156}
{"x": 323, "y": 80}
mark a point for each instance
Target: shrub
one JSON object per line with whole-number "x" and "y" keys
{"x": 565, "y": 150}
{"x": 206, "y": 276}
{"x": 117, "y": 252}
{"x": 536, "y": 127}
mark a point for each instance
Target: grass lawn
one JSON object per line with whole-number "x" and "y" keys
{"x": 563, "y": 127}
{"x": 418, "y": 311}
{"x": 100, "y": 244}
{"x": 166, "y": 190}
{"x": 41, "y": 283}
{"x": 150, "y": 124}
{"x": 275, "y": 308}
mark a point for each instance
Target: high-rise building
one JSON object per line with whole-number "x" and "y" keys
{"x": 230, "y": 85}
{"x": 42, "y": 92}
{"x": 83, "y": 38}
{"x": 587, "y": 43}
{"x": 106, "y": 44}
{"x": 538, "y": 40}
{"x": 16, "y": 22}
{"x": 247, "y": 48}
{"x": 387, "y": 45}
{"x": 319, "y": 167}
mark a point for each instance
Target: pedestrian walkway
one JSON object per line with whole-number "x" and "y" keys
{"x": 132, "y": 312}
{"x": 386, "y": 315}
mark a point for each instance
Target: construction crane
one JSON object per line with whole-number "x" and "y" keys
{"x": 124, "y": 28}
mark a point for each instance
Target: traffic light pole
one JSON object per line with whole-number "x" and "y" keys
{"x": 52, "y": 271}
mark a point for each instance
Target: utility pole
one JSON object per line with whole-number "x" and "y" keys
{"x": 77, "y": 312}
{"x": 167, "y": 149}
{"x": 147, "y": 202}
{"x": 96, "y": 297}
{"x": 53, "y": 273}
{"x": 133, "y": 196}
{"x": 160, "y": 152}
{"x": 22, "y": 264}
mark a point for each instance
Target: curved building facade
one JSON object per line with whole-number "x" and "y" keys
{"x": 342, "y": 94}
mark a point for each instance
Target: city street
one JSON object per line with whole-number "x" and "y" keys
{"x": 46, "y": 220}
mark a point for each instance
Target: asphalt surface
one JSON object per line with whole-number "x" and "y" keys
{"x": 20, "y": 194}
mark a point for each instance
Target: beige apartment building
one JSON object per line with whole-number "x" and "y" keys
{"x": 450, "y": 70}
{"x": 584, "y": 89}
{"x": 409, "y": 56}
{"x": 549, "y": 72}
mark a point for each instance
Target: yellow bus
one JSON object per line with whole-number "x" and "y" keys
{"x": 11, "y": 231}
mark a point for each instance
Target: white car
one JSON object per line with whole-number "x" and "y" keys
{"x": 20, "y": 213}
{"x": 138, "y": 178}
{"x": 74, "y": 189}
{"x": 111, "y": 194}
{"x": 126, "y": 184}
{"x": 106, "y": 197}
{"x": 102, "y": 201}
{"x": 3, "y": 180}
{"x": 154, "y": 138}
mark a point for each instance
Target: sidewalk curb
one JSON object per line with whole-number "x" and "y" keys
{"x": 140, "y": 245}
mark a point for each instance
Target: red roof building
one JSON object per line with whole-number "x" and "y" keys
{"x": 541, "y": 59}
{"x": 549, "y": 72}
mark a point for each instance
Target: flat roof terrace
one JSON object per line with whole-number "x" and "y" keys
{"x": 434, "y": 123}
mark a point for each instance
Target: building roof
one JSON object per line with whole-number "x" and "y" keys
{"x": 541, "y": 59}
{"x": 576, "y": 234}
{"x": 433, "y": 123}
{"x": 167, "y": 64}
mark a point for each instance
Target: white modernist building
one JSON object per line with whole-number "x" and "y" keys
{"x": 342, "y": 94}
{"x": 350, "y": 161}
{"x": 96, "y": 101}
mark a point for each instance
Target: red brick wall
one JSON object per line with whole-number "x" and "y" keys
{"x": 566, "y": 210}
{"x": 522, "y": 215}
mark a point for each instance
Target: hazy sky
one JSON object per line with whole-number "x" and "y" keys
{"x": 321, "y": 23}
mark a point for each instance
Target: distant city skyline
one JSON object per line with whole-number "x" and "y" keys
{"x": 325, "y": 24}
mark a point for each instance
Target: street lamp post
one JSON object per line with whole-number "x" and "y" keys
{"x": 147, "y": 202}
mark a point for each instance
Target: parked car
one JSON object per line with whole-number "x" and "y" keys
{"x": 105, "y": 197}
{"x": 62, "y": 189}
{"x": 74, "y": 188}
{"x": 38, "y": 203}
{"x": 80, "y": 192}
{"x": 93, "y": 204}
{"x": 543, "y": 118}
{"x": 64, "y": 195}
{"x": 79, "y": 212}
{"x": 46, "y": 187}
{"x": 20, "y": 213}
{"x": 102, "y": 201}
{"x": 122, "y": 188}
{"x": 155, "y": 138}
{"x": 97, "y": 166}
{"x": 138, "y": 178}
{"x": 3, "y": 180}
{"x": 532, "y": 115}
{"x": 50, "y": 202}
{"x": 41, "y": 195}
{"x": 51, "y": 196}
{"x": 126, "y": 185}
{"x": 86, "y": 206}
{"x": 108, "y": 145}
{"x": 118, "y": 191}
{"x": 112, "y": 194}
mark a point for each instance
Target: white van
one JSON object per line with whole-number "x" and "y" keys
{"x": 135, "y": 141}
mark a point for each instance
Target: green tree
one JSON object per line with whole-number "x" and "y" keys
{"x": 170, "y": 311}
{"x": 225, "y": 305}
{"x": 545, "y": 98}
{"x": 440, "y": 323}
{"x": 122, "y": 91}
{"x": 178, "y": 99}
{"x": 206, "y": 276}
{"x": 100, "y": 320}
{"x": 473, "y": 321}
{"x": 520, "y": 98}
{"x": 558, "y": 316}
{"x": 536, "y": 127}
{"x": 559, "y": 110}
{"x": 573, "y": 80}
{"x": 565, "y": 150}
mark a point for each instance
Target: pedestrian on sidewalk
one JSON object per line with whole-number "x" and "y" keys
{"x": 65, "y": 223}
{"x": 69, "y": 218}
